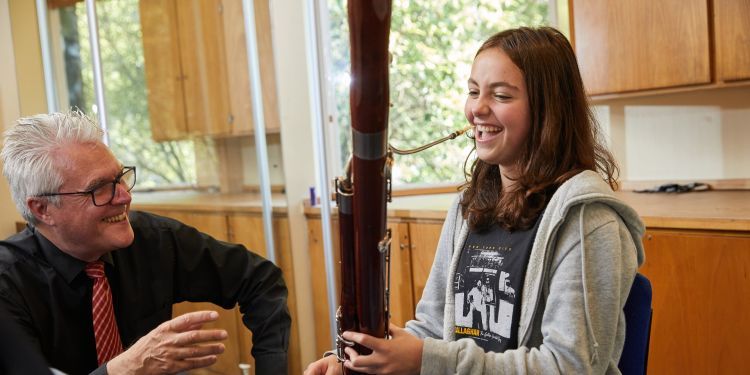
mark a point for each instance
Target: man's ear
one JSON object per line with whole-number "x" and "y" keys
{"x": 39, "y": 207}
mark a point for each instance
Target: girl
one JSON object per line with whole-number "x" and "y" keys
{"x": 537, "y": 218}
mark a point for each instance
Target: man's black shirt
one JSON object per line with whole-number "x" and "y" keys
{"x": 48, "y": 293}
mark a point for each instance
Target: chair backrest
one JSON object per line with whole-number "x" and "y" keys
{"x": 634, "y": 359}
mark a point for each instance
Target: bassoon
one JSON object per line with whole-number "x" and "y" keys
{"x": 362, "y": 193}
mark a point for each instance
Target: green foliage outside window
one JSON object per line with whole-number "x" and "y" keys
{"x": 129, "y": 128}
{"x": 433, "y": 44}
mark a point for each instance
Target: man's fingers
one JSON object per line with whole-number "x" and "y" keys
{"x": 198, "y": 351}
{"x": 324, "y": 366}
{"x": 193, "y": 363}
{"x": 199, "y": 336}
{"x": 185, "y": 322}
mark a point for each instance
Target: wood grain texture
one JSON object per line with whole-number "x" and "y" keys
{"x": 161, "y": 53}
{"x": 323, "y": 340}
{"x": 732, "y": 34}
{"x": 197, "y": 70}
{"x": 248, "y": 230}
{"x": 701, "y": 301}
{"x": 720, "y": 210}
{"x": 641, "y": 44}
{"x": 402, "y": 300}
{"x": 237, "y": 67}
{"x": 424, "y": 238}
{"x": 204, "y": 67}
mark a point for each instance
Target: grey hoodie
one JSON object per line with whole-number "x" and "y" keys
{"x": 582, "y": 265}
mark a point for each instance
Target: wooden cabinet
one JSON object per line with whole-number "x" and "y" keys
{"x": 424, "y": 239}
{"x": 701, "y": 301}
{"x": 641, "y": 44}
{"x": 732, "y": 30}
{"x": 196, "y": 68}
{"x": 246, "y": 229}
{"x": 401, "y": 300}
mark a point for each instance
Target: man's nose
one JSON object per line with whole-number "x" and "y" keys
{"x": 122, "y": 195}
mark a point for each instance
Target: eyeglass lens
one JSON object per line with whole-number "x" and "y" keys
{"x": 105, "y": 193}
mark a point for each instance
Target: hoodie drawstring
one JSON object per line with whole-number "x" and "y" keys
{"x": 589, "y": 328}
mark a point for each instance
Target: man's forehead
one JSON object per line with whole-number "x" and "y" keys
{"x": 86, "y": 163}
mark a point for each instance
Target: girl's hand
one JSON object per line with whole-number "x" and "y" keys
{"x": 402, "y": 354}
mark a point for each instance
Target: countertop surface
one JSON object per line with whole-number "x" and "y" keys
{"x": 206, "y": 202}
{"x": 713, "y": 210}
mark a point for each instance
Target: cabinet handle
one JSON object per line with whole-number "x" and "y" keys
{"x": 230, "y": 119}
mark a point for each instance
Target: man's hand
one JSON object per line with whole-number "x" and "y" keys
{"x": 402, "y": 354}
{"x": 324, "y": 366}
{"x": 176, "y": 345}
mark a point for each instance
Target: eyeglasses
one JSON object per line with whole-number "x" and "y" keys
{"x": 103, "y": 193}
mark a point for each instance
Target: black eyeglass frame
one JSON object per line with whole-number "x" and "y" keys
{"x": 117, "y": 180}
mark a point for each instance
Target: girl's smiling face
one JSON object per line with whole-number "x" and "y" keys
{"x": 498, "y": 108}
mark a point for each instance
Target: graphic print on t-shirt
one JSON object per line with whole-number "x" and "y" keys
{"x": 487, "y": 285}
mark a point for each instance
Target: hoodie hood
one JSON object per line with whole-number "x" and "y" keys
{"x": 581, "y": 190}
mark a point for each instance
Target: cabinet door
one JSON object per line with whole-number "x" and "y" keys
{"x": 237, "y": 67}
{"x": 641, "y": 44}
{"x": 424, "y": 239}
{"x": 402, "y": 297}
{"x": 402, "y": 307}
{"x": 202, "y": 54}
{"x": 701, "y": 301}
{"x": 161, "y": 55}
{"x": 248, "y": 230}
{"x": 732, "y": 30}
{"x": 318, "y": 274}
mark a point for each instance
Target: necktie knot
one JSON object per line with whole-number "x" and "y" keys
{"x": 95, "y": 270}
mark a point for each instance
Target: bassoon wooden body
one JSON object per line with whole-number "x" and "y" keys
{"x": 362, "y": 194}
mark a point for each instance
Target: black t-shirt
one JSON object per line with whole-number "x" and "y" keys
{"x": 487, "y": 286}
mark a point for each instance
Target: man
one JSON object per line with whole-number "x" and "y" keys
{"x": 93, "y": 283}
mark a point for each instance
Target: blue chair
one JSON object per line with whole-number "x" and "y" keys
{"x": 638, "y": 314}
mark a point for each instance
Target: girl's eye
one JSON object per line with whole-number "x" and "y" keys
{"x": 473, "y": 93}
{"x": 501, "y": 97}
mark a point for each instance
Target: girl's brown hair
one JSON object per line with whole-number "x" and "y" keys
{"x": 563, "y": 139}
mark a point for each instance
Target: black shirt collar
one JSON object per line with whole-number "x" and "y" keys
{"x": 66, "y": 265}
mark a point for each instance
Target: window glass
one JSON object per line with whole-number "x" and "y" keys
{"x": 160, "y": 164}
{"x": 432, "y": 43}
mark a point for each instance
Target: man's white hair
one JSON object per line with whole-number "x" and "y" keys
{"x": 28, "y": 153}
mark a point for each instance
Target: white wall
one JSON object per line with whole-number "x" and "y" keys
{"x": 686, "y": 136}
{"x": 288, "y": 30}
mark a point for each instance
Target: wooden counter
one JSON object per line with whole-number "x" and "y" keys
{"x": 206, "y": 202}
{"x": 706, "y": 210}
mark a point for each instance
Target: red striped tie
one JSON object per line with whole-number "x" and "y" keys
{"x": 108, "y": 343}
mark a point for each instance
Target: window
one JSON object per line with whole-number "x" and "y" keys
{"x": 433, "y": 44}
{"x": 160, "y": 164}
